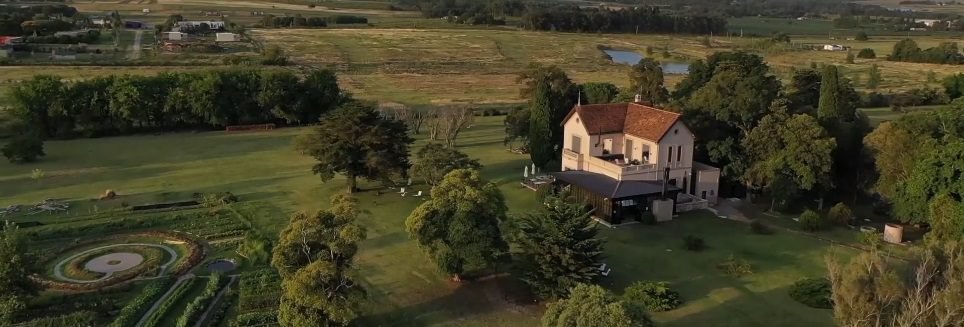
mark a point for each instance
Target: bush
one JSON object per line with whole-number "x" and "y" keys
{"x": 840, "y": 215}
{"x": 654, "y": 296}
{"x": 812, "y": 221}
{"x": 867, "y": 53}
{"x": 812, "y": 292}
{"x": 647, "y": 217}
{"x": 861, "y": 36}
{"x": 24, "y": 147}
{"x": 760, "y": 228}
{"x": 735, "y": 267}
{"x": 694, "y": 243}
{"x": 872, "y": 240}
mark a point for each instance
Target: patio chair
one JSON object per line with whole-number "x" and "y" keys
{"x": 419, "y": 194}
{"x": 606, "y": 273}
{"x": 602, "y": 267}
{"x": 402, "y": 191}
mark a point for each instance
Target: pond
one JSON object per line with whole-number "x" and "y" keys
{"x": 222, "y": 265}
{"x": 631, "y": 58}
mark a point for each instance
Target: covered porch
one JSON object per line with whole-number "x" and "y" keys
{"x": 614, "y": 202}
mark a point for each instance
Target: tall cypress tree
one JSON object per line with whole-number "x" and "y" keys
{"x": 541, "y": 145}
{"x": 830, "y": 101}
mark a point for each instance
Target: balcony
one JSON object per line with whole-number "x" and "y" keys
{"x": 609, "y": 165}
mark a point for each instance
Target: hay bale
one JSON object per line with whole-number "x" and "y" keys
{"x": 108, "y": 195}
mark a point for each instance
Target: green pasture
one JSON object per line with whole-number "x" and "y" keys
{"x": 274, "y": 181}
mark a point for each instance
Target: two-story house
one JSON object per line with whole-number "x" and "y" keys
{"x": 621, "y": 157}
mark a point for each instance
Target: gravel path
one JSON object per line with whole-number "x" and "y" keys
{"x": 58, "y": 269}
{"x": 136, "y": 48}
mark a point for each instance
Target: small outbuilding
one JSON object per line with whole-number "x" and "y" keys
{"x": 834, "y": 47}
{"x": 175, "y": 36}
{"x": 227, "y": 37}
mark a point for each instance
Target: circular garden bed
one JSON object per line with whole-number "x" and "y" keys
{"x": 109, "y": 261}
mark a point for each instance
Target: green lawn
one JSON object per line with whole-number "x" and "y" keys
{"x": 274, "y": 181}
{"x": 880, "y": 115}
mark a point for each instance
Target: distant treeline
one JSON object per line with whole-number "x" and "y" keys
{"x": 944, "y": 53}
{"x": 299, "y": 21}
{"x": 638, "y": 19}
{"x": 12, "y": 19}
{"x": 171, "y": 101}
{"x": 467, "y": 8}
{"x": 784, "y": 8}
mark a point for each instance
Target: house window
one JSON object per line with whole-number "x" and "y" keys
{"x": 703, "y": 195}
{"x": 669, "y": 158}
{"x": 676, "y": 131}
{"x": 576, "y": 144}
{"x": 672, "y": 182}
{"x": 679, "y": 152}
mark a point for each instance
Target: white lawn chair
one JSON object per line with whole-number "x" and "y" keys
{"x": 402, "y": 191}
{"x": 602, "y": 267}
{"x": 606, "y": 273}
{"x": 419, "y": 194}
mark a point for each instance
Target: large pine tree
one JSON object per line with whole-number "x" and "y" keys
{"x": 541, "y": 146}
{"x": 557, "y": 248}
{"x": 830, "y": 96}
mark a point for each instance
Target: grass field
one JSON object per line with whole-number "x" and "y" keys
{"x": 879, "y": 115}
{"x": 273, "y": 181}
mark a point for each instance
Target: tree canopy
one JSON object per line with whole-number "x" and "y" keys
{"x": 356, "y": 141}
{"x": 595, "y": 92}
{"x": 434, "y": 161}
{"x": 593, "y": 306}
{"x": 315, "y": 257}
{"x": 551, "y": 95}
{"x": 557, "y": 248}
{"x": 459, "y": 226}
{"x": 16, "y": 266}
{"x": 646, "y": 79}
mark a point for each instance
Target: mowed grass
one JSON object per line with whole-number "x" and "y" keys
{"x": 274, "y": 181}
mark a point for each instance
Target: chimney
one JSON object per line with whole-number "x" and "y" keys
{"x": 638, "y": 99}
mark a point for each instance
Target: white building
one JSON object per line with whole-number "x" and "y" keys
{"x": 174, "y": 36}
{"x": 227, "y": 37}
{"x": 927, "y": 22}
{"x": 834, "y": 47}
{"x": 212, "y": 24}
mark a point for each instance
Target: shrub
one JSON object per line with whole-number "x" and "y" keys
{"x": 760, "y": 228}
{"x": 693, "y": 243}
{"x": 735, "y": 267}
{"x": 861, "y": 36}
{"x": 867, "y": 53}
{"x": 872, "y": 240}
{"x": 654, "y": 296}
{"x": 840, "y": 215}
{"x": 23, "y": 147}
{"x": 812, "y": 221}
{"x": 812, "y": 292}
{"x": 647, "y": 217}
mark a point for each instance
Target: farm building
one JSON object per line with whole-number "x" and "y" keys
{"x": 214, "y": 25}
{"x": 927, "y": 22}
{"x": 176, "y": 36}
{"x": 834, "y": 47}
{"x": 227, "y": 37}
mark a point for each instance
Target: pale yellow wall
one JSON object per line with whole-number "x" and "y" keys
{"x": 598, "y": 143}
{"x": 573, "y": 127}
{"x": 708, "y": 181}
{"x": 678, "y": 135}
{"x": 638, "y": 146}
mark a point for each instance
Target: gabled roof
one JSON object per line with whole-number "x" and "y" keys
{"x": 630, "y": 118}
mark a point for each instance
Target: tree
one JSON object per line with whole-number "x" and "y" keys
{"x": 434, "y": 161}
{"x": 873, "y": 77}
{"x": 866, "y": 53}
{"x": 872, "y": 291}
{"x": 840, "y": 214}
{"x": 794, "y": 147}
{"x": 557, "y": 248}
{"x": 315, "y": 258}
{"x": 836, "y": 97}
{"x": 551, "y": 96}
{"x": 37, "y": 103}
{"x": 937, "y": 173}
{"x": 594, "y": 92}
{"x": 458, "y": 227}
{"x": 279, "y": 93}
{"x": 594, "y": 306}
{"x": 542, "y": 149}
{"x": 804, "y": 90}
{"x": 319, "y": 94}
{"x": 954, "y": 85}
{"x": 16, "y": 267}
{"x": 451, "y": 121}
{"x": 861, "y": 36}
{"x": 646, "y": 79}
{"x": 24, "y": 146}
{"x": 812, "y": 221}
{"x": 946, "y": 220}
{"x": 356, "y": 142}
{"x": 517, "y": 125}
{"x": 896, "y": 152}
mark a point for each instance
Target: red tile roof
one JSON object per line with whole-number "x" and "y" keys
{"x": 630, "y": 118}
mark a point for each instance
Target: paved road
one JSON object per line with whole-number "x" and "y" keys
{"x": 136, "y": 53}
